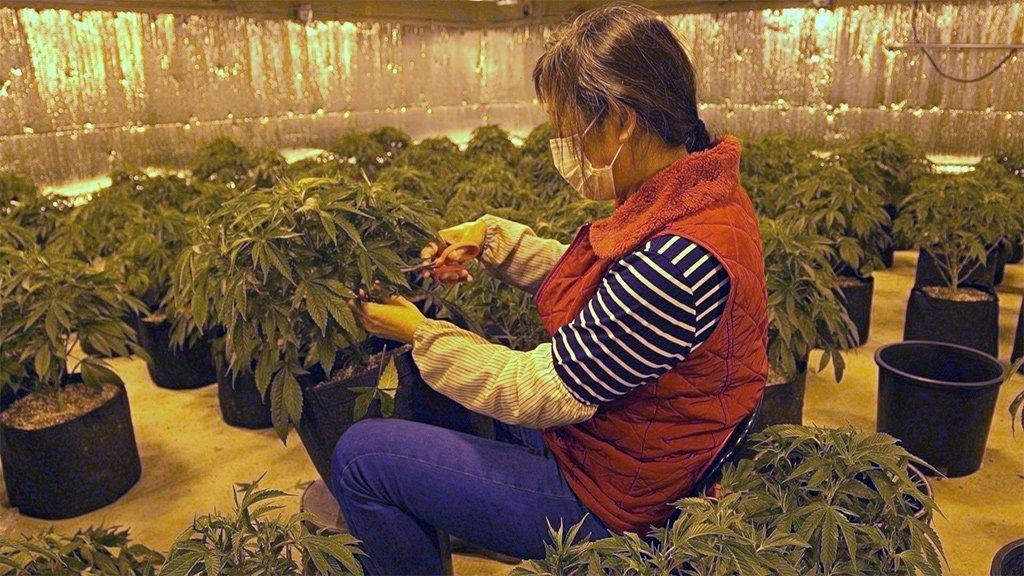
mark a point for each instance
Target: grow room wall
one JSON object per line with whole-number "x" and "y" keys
{"x": 82, "y": 92}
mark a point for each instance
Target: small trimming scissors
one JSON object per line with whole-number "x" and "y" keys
{"x": 450, "y": 260}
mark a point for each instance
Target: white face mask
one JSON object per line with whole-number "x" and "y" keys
{"x": 592, "y": 183}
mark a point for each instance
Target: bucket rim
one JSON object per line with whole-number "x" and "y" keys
{"x": 1002, "y": 553}
{"x": 921, "y": 380}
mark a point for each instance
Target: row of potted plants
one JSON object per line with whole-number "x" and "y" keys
{"x": 810, "y": 501}
{"x": 234, "y": 264}
{"x": 250, "y": 539}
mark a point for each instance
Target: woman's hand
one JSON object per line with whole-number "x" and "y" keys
{"x": 473, "y": 232}
{"x": 394, "y": 319}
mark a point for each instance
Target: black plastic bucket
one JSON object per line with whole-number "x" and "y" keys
{"x": 328, "y": 407}
{"x": 928, "y": 273}
{"x": 1009, "y": 560}
{"x": 74, "y": 467}
{"x": 971, "y": 324}
{"x": 173, "y": 367}
{"x": 781, "y": 404}
{"x": 857, "y": 299}
{"x": 938, "y": 400}
{"x": 240, "y": 402}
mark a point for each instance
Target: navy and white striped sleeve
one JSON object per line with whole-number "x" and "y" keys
{"x": 653, "y": 308}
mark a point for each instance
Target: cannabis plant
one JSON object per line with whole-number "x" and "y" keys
{"x": 251, "y": 541}
{"x": 361, "y": 152}
{"x": 850, "y": 493}
{"x": 1012, "y": 160}
{"x": 887, "y": 163}
{"x": 805, "y": 310}
{"x": 957, "y": 219}
{"x": 106, "y": 551}
{"x": 225, "y": 161}
{"x": 764, "y": 165}
{"x": 501, "y": 313}
{"x": 393, "y": 140}
{"x": 813, "y": 501}
{"x": 492, "y": 142}
{"x": 537, "y": 168}
{"x": 33, "y": 213}
{"x": 538, "y": 142}
{"x": 417, "y": 182}
{"x": 275, "y": 268}
{"x": 440, "y": 164}
{"x": 825, "y": 197}
{"x": 1006, "y": 198}
{"x": 489, "y": 185}
{"x": 705, "y": 538}
{"x": 48, "y": 303}
{"x": 1017, "y": 404}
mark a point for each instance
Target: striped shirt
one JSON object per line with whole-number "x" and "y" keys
{"x": 653, "y": 308}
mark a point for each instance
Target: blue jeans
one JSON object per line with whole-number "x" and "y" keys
{"x": 398, "y": 482}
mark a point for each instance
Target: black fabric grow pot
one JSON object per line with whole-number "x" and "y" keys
{"x": 889, "y": 256}
{"x": 1016, "y": 252}
{"x": 971, "y": 324}
{"x": 928, "y": 273}
{"x": 1002, "y": 254}
{"x": 1009, "y": 560}
{"x": 74, "y": 467}
{"x": 938, "y": 400}
{"x": 328, "y": 406}
{"x": 1018, "y": 338}
{"x": 240, "y": 402}
{"x": 782, "y": 404}
{"x": 130, "y": 318}
{"x": 857, "y": 301}
{"x": 175, "y": 367}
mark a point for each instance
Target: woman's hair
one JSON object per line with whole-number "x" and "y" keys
{"x": 621, "y": 56}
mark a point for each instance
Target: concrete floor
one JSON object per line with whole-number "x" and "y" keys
{"x": 191, "y": 459}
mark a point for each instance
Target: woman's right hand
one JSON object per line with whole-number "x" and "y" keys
{"x": 474, "y": 232}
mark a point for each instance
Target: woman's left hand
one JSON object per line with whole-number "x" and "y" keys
{"x": 395, "y": 318}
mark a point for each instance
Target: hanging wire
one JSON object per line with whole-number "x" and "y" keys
{"x": 935, "y": 64}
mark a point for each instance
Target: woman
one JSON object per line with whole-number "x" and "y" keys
{"x": 657, "y": 316}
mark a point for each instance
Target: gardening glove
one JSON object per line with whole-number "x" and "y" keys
{"x": 474, "y": 232}
{"x": 395, "y": 318}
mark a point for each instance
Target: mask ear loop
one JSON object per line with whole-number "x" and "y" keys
{"x": 618, "y": 199}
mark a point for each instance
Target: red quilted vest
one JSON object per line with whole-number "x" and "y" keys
{"x": 647, "y": 449}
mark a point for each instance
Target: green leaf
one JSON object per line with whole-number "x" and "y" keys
{"x": 388, "y": 381}
{"x": 362, "y": 404}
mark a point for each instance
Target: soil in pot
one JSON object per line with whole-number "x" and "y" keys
{"x": 67, "y": 459}
{"x": 965, "y": 316}
{"x": 175, "y": 367}
{"x": 240, "y": 402}
{"x": 1009, "y": 560}
{"x": 783, "y": 401}
{"x": 938, "y": 400}
{"x": 858, "y": 294}
{"x": 928, "y": 274}
{"x": 329, "y": 404}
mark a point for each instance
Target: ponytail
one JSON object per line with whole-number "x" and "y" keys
{"x": 698, "y": 139}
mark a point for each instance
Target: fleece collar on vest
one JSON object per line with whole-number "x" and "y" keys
{"x": 687, "y": 186}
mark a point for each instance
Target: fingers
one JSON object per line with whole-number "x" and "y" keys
{"x": 454, "y": 276}
{"x": 430, "y": 251}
